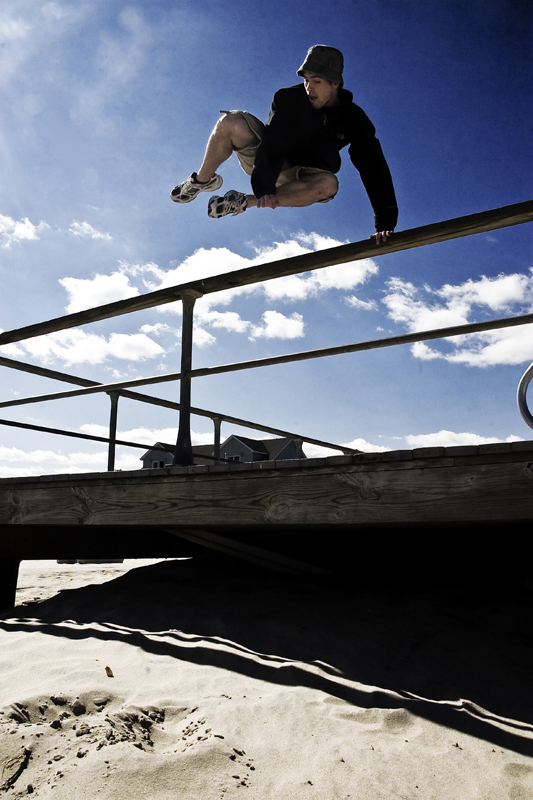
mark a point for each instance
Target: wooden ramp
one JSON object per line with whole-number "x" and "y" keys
{"x": 292, "y": 515}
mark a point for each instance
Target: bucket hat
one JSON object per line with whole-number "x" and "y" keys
{"x": 327, "y": 62}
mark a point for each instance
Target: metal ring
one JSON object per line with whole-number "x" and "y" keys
{"x": 521, "y": 396}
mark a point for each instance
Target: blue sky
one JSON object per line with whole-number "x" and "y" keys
{"x": 106, "y": 105}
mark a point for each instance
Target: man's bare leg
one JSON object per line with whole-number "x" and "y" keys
{"x": 298, "y": 194}
{"x": 229, "y": 134}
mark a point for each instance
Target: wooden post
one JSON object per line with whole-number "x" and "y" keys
{"x": 112, "y": 431}
{"x": 9, "y": 570}
{"x": 216, "y": 422}
{"x": 183, "y": 454}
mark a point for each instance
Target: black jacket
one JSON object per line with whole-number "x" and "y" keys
{"x": 300, "y": 135}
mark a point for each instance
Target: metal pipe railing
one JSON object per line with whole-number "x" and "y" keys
{"x": 73, "y": 434}
{"x": 170, "y": 404}
{"x": 521, "y": 396}
{"x": 494, "y": 219}
{"x": 158, "y": 401}
{"x": 183, "y": 456}
{"x": 371, "y": 344}
{"x": 106, "y": 440}
{"x": 188, "y": 293}
{"x": 113, "y": 396}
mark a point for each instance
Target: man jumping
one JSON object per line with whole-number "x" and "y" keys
{"x": 292, "y": 160}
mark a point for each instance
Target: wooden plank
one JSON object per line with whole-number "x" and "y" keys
{"x": 335, "y": 496}
{"x": 516, "y": 214}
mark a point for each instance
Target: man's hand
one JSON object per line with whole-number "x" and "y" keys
{"x": 381, "y": 236}
{"x": 268, "y": 201}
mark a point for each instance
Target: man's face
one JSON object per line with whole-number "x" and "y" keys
{"x": 321, "y": 93}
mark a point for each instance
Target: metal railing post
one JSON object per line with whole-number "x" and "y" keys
{"x": 183, "y": 454}
{"x": 217, "y": 422}
{"x": 521, "y": 396}
{"x": 113, "y": 396}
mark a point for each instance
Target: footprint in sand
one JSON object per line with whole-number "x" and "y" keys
{"x": 58, "y": 721}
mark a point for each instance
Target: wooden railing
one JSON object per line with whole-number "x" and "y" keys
{"x": 189, "y": 292}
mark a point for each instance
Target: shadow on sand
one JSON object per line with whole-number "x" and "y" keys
{"x": 462, "y": 659}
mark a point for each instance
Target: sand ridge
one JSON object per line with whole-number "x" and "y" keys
{"x": 229, "y": 681}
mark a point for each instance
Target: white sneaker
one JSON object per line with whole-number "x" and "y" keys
{"x": 232, "y": 203}
{"x": 187, "y": 191}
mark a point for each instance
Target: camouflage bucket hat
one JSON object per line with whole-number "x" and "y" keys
{"x": 327, "y": 62}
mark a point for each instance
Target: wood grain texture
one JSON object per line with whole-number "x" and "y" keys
{"x": 329, "y": 496}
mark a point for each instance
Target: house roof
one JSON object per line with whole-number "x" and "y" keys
{"x": 255, "y": 445}
{"x": 267, "y": 447}
{"x": 156, "y": 446}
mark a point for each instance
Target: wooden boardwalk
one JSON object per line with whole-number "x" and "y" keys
{"x": 274, "y": 513}
{"x": 307, "y": 515}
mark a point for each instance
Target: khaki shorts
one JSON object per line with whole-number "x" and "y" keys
{"x": 247, "y": 155}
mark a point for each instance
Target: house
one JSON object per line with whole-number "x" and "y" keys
{"x": 157, "y": 457}
{"x": 235, "y": 448}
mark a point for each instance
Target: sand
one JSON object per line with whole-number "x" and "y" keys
{"x": 213, "y": 679}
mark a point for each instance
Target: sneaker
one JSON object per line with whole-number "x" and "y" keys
{"x": 187, "y": 191}
{"x": 232, "y": 203}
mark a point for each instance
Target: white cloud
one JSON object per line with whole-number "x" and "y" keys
{"x": 140, "y": 435}
{"x": 15, "y": 462}
{"x": 425, "y": 308}
{"x": 507, "y": 346}
{"x": 201, "y": 264}
{"x": 408, "y": 304}
{"x": 363, "y": 305}
{"x": 228, "y": 320}
{"x": 218, "y": 260}
{"x": 29, "y": 32}
{"x": 11, "y": 350}
{"x": 203, "y": 338}
{"x": 366, "y": 447}
{"x": 117, "y": 62}
{"x": 496, "y": 293}
{"x": 87, "y": 231}
{"x": 148, "y": 435}
{"x": 158, "y": 329}
{"x": 340, "y": 276}
{"x": 297, "y": 287}
{"x": 412, "y": 441}
{"x": 90, "y": 292}
{"x": 12, "y": 231}
{"x": 20, "y": 463}
{"x": 450, "y": 439}
{"x": 13, "y": 454}
{"x": 13, "y": 32}
{"x": 121, "y": 58}
{"x": 77, "y": 347}
{"x": 133, "y": 346}
{"x": 13, "y": 29}
{"x": 278, "y": 326}
{"x": 318, "y": 451}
